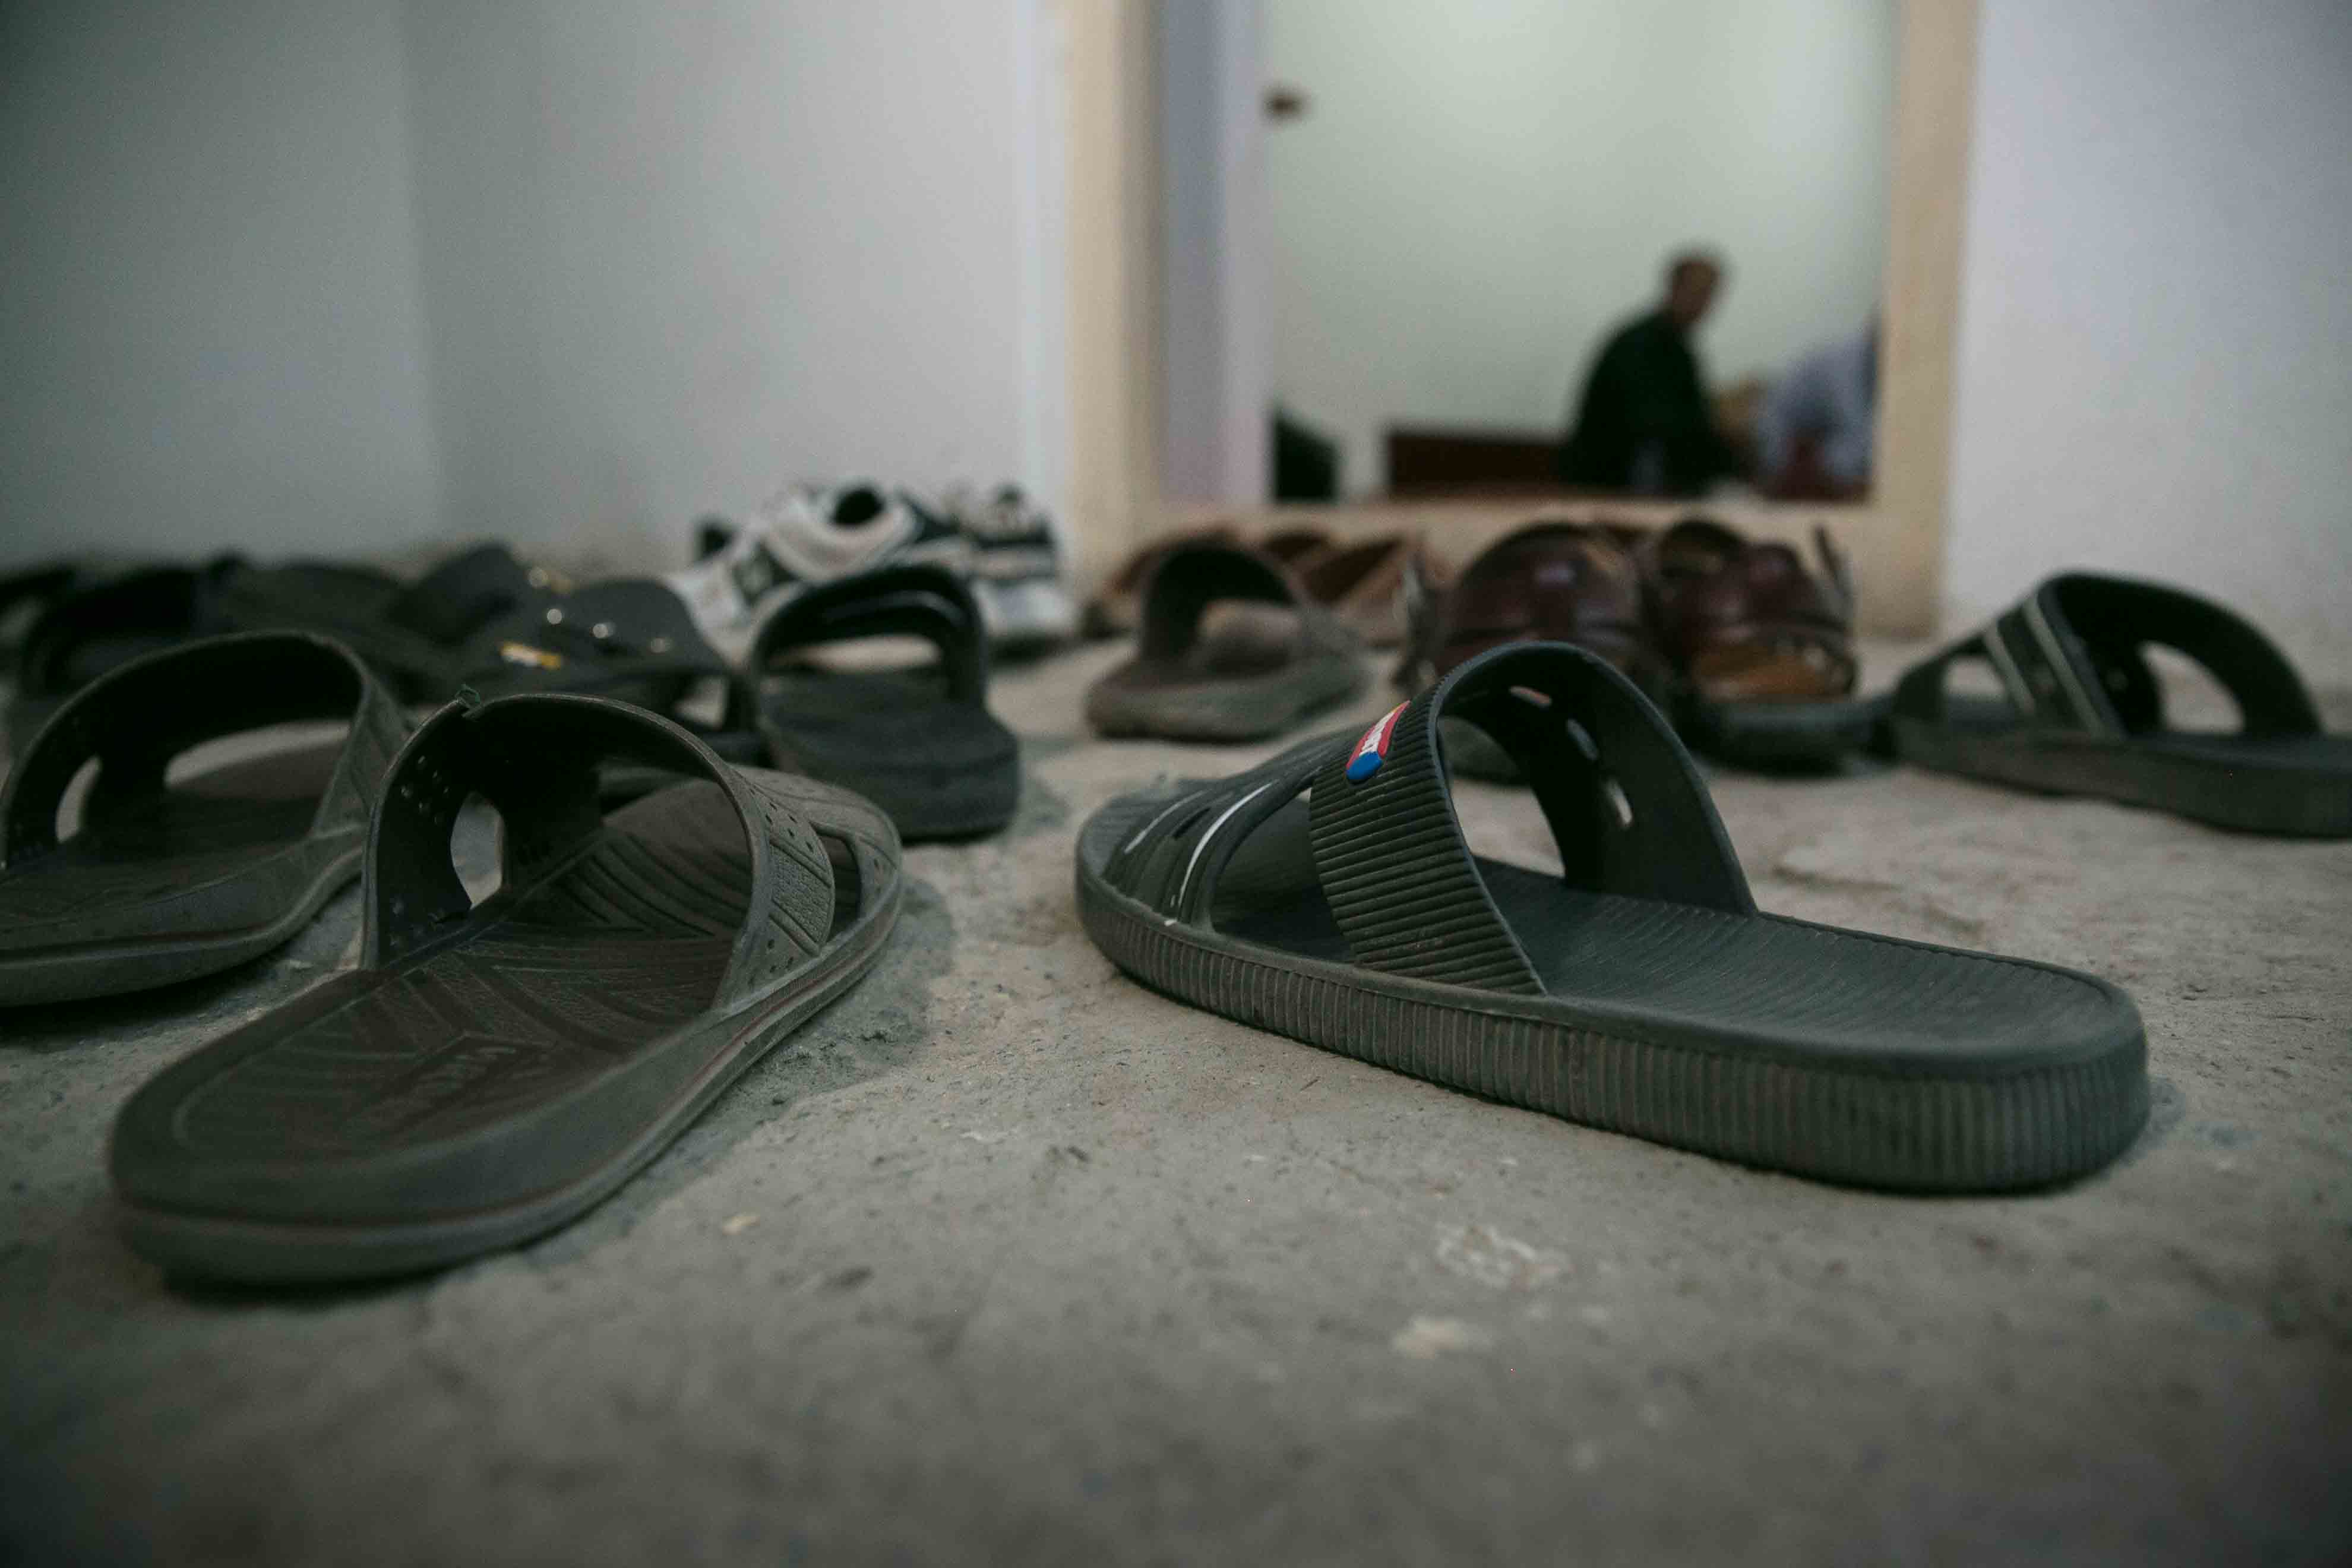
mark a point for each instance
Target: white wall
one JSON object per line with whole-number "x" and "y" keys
{"x": 344, "y": 275}
{"x": 1481, "y": 189}
{"x": 2154, "y": 358}
{"x": 676, "y": 254}
{"x": 211, "y": 324}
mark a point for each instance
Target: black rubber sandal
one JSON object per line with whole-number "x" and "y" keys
{"x": 919, "y": 743}
{"x": 102, "y": 626}
{"x": 1267, "y": 658}
{"x": 25, "y": 596}
{"x": 422, "y": 639}
{"x": 2082, "y": 712}
{"x": 1639, "y": 992}
{"x": 495, "y": 1070}
{"x": 165, "y": 881}
{"x": 482, "y": 621}
{"x": 412, "y": 634}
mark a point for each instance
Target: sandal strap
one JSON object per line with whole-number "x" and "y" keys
{"x": 914, "y": 600}
{"x": 534, "y": 757}
{"x": 173, "y": 603}
{"x": 2069, "y": 657}
{"x": 1626, "y": 806}
{"x": 1191, "y": 577}
{"x": 136, "y": 719}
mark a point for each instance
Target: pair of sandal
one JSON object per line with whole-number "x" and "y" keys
{"x": 493, "y": 1067}
{"x": 1746, "y": 647}
{"x": 921, "y": 742}
{"x": 2067, "y": 701}
{"x": 1231, "y": 646}
{"x": 1361, "y": 582}
{"x": 480, "y": 620}
{"x": 821, "y": 566}
{"x": 1330, "y": 894}
{"x": 1000, "y": 542}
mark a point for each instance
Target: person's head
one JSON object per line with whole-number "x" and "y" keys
{"x": 1692, "y": 278}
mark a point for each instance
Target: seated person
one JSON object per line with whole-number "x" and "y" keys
{"x": 1642, "y": 422}
{"x": 1814, "y": 433}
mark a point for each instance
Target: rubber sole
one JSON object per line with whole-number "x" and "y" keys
{"x": 1243, "y": 708}
{"x": 113, "y": 969}
{"x": 1772, "y": 738}
{"x": 1777, "y": 737}
{"x": 277, "y": 1253}
{"x": 2224, "y": 781}
{"x": 492, "y": 1086}
{"x": 1914, "y": 1132}
{"x": 940, "y": 769}
{"x": 214, "y": 837}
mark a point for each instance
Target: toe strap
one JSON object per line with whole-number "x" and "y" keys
{"x": 535, "y": 758}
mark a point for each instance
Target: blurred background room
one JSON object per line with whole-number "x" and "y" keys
{"x": 1140, "y": 382}
{"x": 369, "y": 277}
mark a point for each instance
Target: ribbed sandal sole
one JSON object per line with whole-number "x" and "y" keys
{"x": 1920, "y": 1131}
{"x": 2206, "y": 788}
{"x": 258, "y": 1251}
{"x": 1234, "y": 711}
{"x": 1779, "y": 737}
{"x": 77, "y": 973}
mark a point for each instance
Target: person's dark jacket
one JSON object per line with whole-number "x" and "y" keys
{"x": 1643, "y": 422}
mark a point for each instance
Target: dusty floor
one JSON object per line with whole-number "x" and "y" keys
{"x": 1006, "y": 1258}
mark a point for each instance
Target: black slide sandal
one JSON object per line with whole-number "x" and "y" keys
{"x": 103, "y": 626}
{"x": 919, "y": 743}
{"x": 410, "y": 634}
{"x": 480, "y": 620}
{"x": 1269, "y": 655}
{"x": 25, "y": 596}
{"x": 166, "y": 882}
{"x": 1641, "y": 991}
{"x": 494, "y": 1070}
{"x": 2083, "y": 712}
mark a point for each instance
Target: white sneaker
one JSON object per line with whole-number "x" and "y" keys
{"x": 803, "y": 535}
{"x": 1016, "y": 568}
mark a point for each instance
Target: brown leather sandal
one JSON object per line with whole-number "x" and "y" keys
{"x": 1117, "y": 607}
{"x": 1549, "y": 582}
{"x": 1761, "y": 650}
{"x": 1363, "y": 584}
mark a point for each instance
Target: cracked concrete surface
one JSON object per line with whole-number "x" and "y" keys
{"x": 1006, "y": 1258}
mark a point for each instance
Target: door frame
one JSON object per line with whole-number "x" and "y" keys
{"x": 1115, "y": 497}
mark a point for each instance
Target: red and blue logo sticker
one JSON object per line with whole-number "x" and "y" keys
{"x": 1374, "y": 749}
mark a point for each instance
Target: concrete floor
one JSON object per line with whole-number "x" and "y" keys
{"x": 1006, "y": 1258}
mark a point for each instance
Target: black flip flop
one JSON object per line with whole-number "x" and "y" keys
{"x": 1641, "y": 991}
{"x": 1269, "y": 656}
{"x": 495, "y": 1070}
{"x": 2082, "y": 712}
{"x": 920, "y": 743}
{"x": 165, "y": 881}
